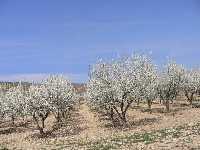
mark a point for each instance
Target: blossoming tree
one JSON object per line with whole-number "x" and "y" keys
{"x": 191, "y": 84}
{"x": 38, "y": 106}
{"x": 170, "y": 82}
{"x": 61, "y": 95}
{"x": 115, "y": 85}
{"x": 14, "y": 102}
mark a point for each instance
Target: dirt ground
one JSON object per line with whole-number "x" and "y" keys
{"x": 86, "y": 126}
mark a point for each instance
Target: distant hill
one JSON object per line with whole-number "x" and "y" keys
{"x": 80, "y": 87}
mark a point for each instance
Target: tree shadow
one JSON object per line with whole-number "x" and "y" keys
{"x": 108, "y": 123}
{"x": 154, "y": 110}
{"x": 131, "y": 124}
{"x": 144, "y": 122}
{"x": 196, "y": 104}
{"x": 4, "y": 124}
{"x": 18, "y": 127}
{"x": 174, "y": 108}
{"x": 8, "y": 131}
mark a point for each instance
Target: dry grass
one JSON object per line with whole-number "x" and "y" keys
{"x": 85, "y": 129}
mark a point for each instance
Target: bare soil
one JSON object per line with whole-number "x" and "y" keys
{"x": 86, "y": 127}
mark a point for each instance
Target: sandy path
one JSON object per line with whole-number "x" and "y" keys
{"x": 90, "y": 122}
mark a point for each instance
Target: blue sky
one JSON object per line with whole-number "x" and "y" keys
{"x": 38, "y": 37}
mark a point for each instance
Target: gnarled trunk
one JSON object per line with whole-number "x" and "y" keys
{"x": 41, "y": 129}
{"x": 37, "y": 121}
{"x": 122, "y": 114}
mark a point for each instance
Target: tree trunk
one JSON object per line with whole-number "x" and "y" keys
{"x": 63, "y": 114}
{"x": 112, "y": 114}
{"x": 167, "y": 105}
{"x": 120, "y": 115}
{"x": 41, "y": 129}
{"x": 124, "y": 118}
{"x": 43, "y": 123}
{"x": 149, "y": 104}
{"x": 58, "y": 116}
{"x": 191, "y": 98}
{"x": 190, "y": 101}
{"x": 13, "y": 120}
{"x": 138, "y": 102}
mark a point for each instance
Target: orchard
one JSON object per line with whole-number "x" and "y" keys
{"x": 114, "y": 88}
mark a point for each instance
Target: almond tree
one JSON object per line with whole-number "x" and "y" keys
{"x": 100, "y": 90}
{"x": 170, "y": 83}
{"x": 14, "y": 102}
{"x": 135, "y": 81}
{"x": 148, "y": 82}
{"x": 38, "y": 106}
{"x": 61, "y": 95}
{"x": 115, "y": 85}
{"x": 191, "y": 84}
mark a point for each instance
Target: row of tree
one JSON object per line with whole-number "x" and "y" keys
{"x": 55, "y": 95}
{"x": 115, "y": 85}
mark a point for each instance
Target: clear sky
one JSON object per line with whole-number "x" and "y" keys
{"x": 38, "y": 37}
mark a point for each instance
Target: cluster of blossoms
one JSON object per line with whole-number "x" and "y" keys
{"x": 115, "y": 85}
{"x": 54, "y": 95}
